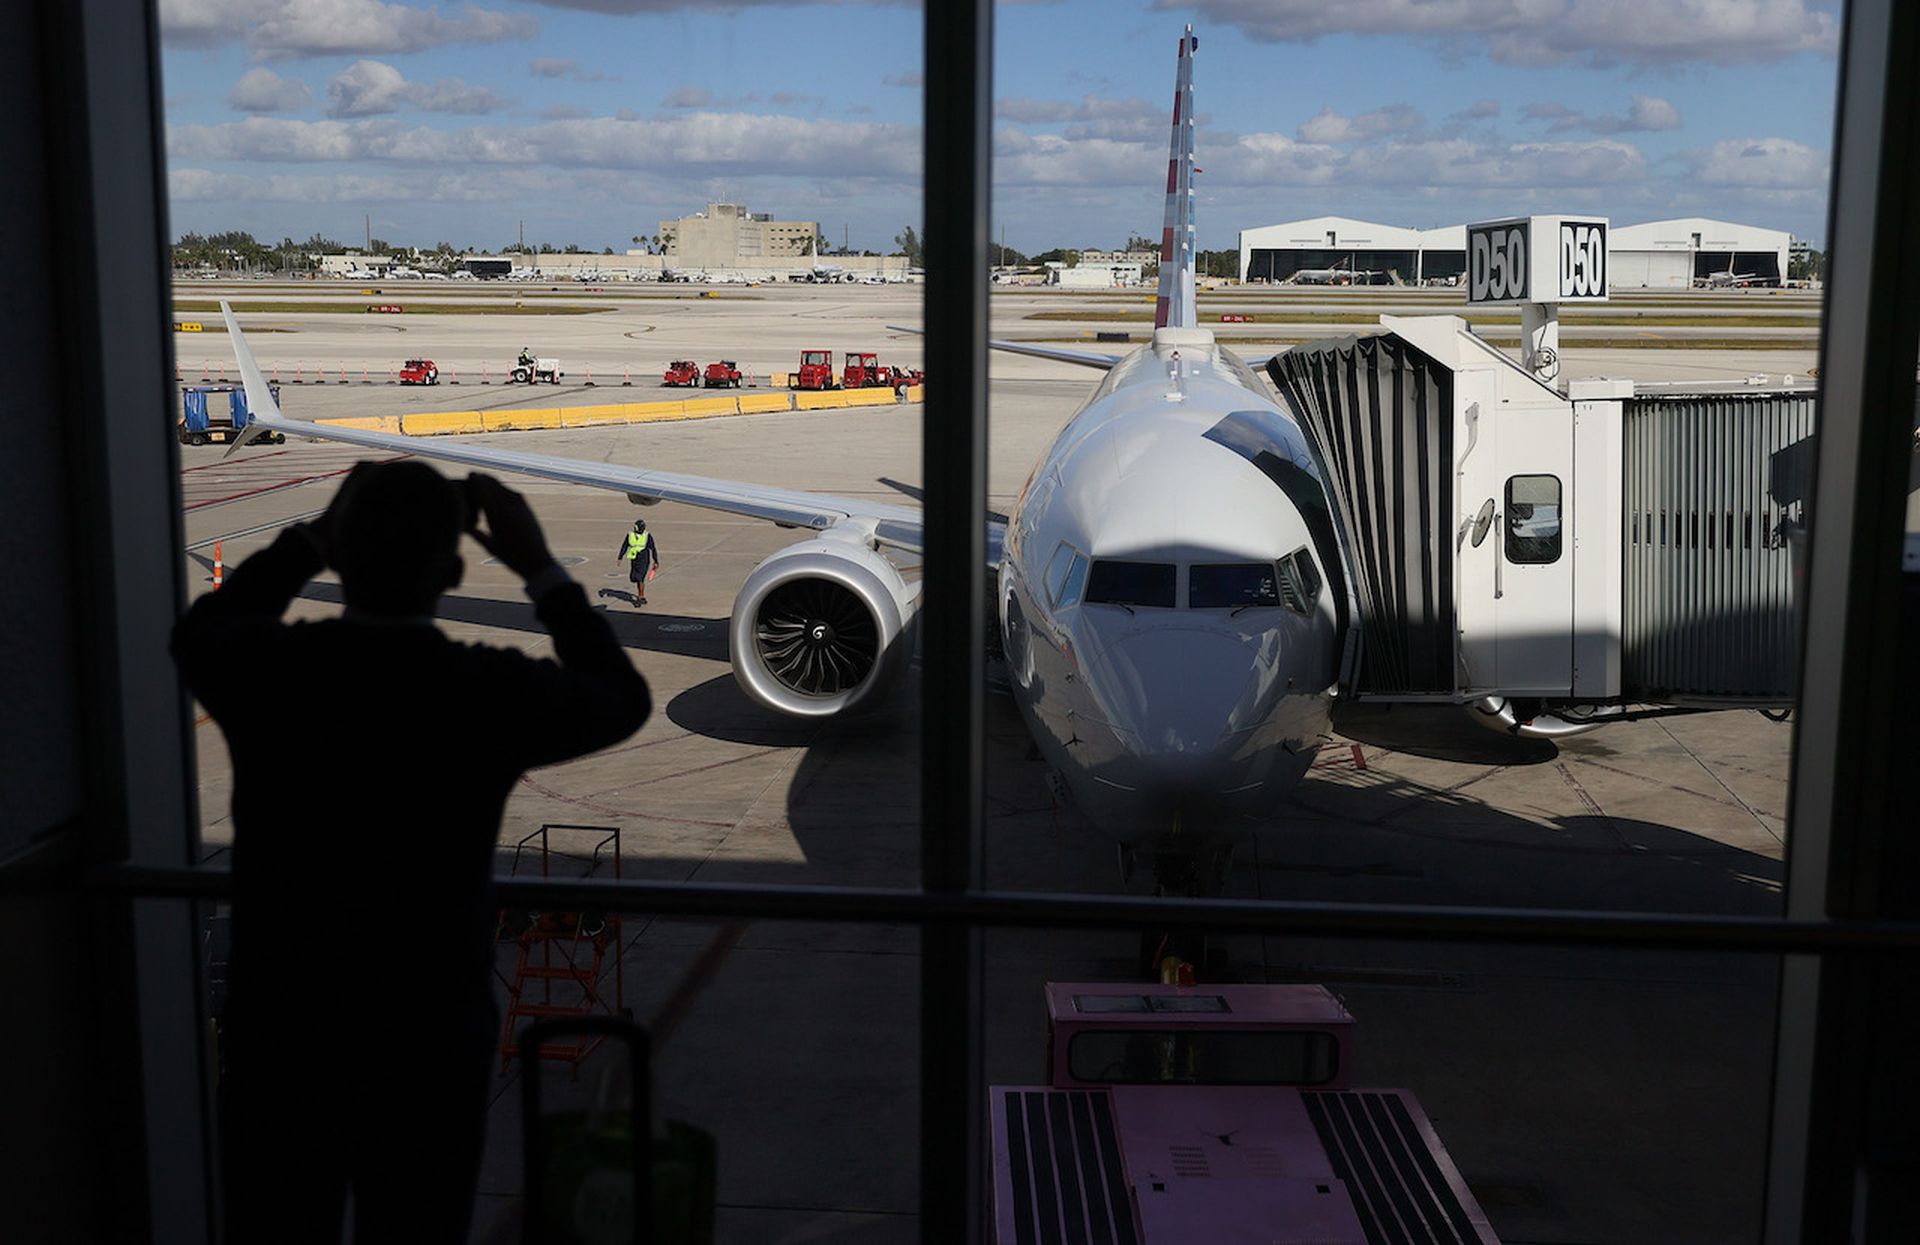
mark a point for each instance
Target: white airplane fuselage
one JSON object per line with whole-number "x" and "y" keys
{"x": 1190, "y": 713}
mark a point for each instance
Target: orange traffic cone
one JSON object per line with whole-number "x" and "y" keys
{"x": 219, "y": 567}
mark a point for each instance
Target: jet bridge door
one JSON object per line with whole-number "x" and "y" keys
{"x": 1453, "y": 485}
{"x": 1516, "y": 551}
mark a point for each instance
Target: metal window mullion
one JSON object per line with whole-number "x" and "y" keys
{"x": 956, "y": 153}
{"x": 1836, "y": 1160}
{"x": 1045, "y": 910}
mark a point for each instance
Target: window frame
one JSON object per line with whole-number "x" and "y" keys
{"x": 1844, "y": 921}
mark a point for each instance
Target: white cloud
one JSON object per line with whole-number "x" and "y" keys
{"x": 370, "y": 88}
{"x": 1758, "y": 163}
{"x": 736, "y": 143}
{"x": 690, "y": 97}
{"x": 1480, "y": 110}
{"x": 293, "y": 28}
{"x": 562, "y": 67}
{"x": 1276, "y": 163}
{"x": 1328, "y": 126}
{"x": 911, "y": 78}
{"x": 1547, "y": 32}
{"x": 1092, "y": 117}
{"x": 262, "y": 90}
{"x": 1645, "y": 114}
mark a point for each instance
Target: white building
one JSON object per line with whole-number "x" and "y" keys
{"x": 1662, "y": 254}
{"x": 1677, "y": 254}
{"x": 1340, "y": 243}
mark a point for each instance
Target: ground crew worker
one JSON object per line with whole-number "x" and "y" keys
{"x": 526, "y": 356}
{"x": 641, "y": 553}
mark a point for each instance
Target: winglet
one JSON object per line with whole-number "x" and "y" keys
{"x": 1174, "y": 305}
{"x": 261, "y": 407}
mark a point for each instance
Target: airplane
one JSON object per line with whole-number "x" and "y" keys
{"x": 1172, "y": 595}
{"x": 1336, "y": 275}
{"x": 1716, "y": 280}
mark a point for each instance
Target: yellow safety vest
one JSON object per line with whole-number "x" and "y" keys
{"x": 636, "y": 544}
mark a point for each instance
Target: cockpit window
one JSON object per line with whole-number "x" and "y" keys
{"x": 1066, "y": 576}
{"x": 1230, "y": 585}
{"x": 1131, "y": 583}
{"x": 1299, "y": 581}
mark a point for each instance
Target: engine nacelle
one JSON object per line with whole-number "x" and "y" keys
{"x": 815, "y": 628}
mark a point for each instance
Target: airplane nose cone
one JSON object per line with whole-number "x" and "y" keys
{"x": 1179, "y": 695}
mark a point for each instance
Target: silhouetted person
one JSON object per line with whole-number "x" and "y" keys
{"x": 641, "y": 552}
{"x": 372, "y": 757}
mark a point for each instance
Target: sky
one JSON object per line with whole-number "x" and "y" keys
{"x": 593, "y": 120}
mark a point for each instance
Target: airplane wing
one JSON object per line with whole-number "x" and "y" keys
{"x": 896, "y": 526}
{"x": 1059, "y": 354}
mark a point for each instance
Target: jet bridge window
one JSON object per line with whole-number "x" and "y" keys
{"x": 1230, "y": 585}
{"x": 1533, "y": 519}
{"x": 1131, "y": 584}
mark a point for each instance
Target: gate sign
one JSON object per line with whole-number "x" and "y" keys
{"x": 1537, "y": 259}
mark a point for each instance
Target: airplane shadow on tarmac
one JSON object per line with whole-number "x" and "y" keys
{"x": 1379, "y": 835}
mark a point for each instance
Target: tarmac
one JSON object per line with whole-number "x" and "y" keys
{"x": 1587, "y": 1096}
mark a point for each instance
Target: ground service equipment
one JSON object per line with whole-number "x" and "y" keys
{"x": 199, "y": 426}
{"x": 816, "y": 371}
{"x": 419, "y": 372}
{"x": 723, "y": 375}
{"x": 863, "y": 371}
{"x": 1215, "y": 1113}
{"x": 540, "y": 371}
{"x": 682, "y": 372}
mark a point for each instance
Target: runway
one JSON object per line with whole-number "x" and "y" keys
{"x": 1587, "y": 1096}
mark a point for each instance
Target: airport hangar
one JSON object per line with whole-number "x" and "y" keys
{"x": 1660, "y": 255}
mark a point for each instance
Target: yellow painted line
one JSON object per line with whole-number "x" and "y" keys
{"x": 656, "y": 412}
{"x": 439, "y": 423}
{"x": 871, "y": 397}
{"x": 436, "y": 423}
{"x": 366, "y": 423}
{"x": 512, "y": 421}
{"x": 593, "y": 416}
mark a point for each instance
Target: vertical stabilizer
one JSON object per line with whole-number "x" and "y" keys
{"x": 1174, "y": 307}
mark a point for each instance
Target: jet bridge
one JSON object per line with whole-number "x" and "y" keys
{"x": 1605, "y": 546}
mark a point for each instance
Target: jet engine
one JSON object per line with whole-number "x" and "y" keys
{"x": 816, "y": 628}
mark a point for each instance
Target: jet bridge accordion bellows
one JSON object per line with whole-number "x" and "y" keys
{"x": 1714, "y": 489}
{"x": 1381, "y": 416}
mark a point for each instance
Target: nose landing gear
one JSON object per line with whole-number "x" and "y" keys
{"x": 1192, "y": 869}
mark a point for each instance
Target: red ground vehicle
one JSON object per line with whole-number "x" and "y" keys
{"x": 816, "y": 371}
{"x": 863, "y": 371}
{"x": 723, "y": 375}
{"x": 682, "y": 372}
{"x": 419, "y": 372}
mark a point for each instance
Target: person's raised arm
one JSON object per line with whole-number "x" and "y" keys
{"x": 592, "y": 696}
{"x": 251, "y": 600}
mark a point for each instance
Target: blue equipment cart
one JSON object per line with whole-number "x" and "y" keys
{"x": 199, "y": 425}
